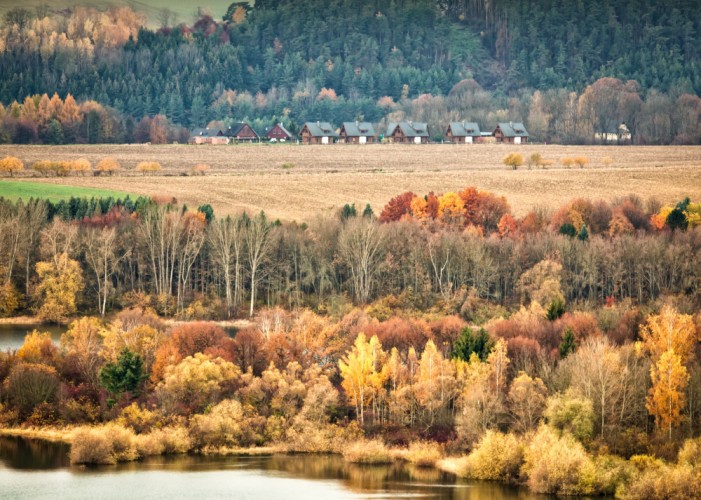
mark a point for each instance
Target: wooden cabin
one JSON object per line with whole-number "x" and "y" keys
{"x": 511, "y": 133}
{"x": 278, "y": 134}
{"x": 408, "y": 133}
{"x": 242, "y": 132}
{"x": 208, "y": 136}
{"x": 318, "y": 133}
{"x": 463, "y": 133}
{"x": 357, "y": 133}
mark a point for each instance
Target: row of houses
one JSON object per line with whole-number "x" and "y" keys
{"x": 407, "y": 132}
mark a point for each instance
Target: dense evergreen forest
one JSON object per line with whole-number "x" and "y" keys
{"x": 347, "y": 59}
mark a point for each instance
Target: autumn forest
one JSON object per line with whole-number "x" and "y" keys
{"x": 544, "y": 349}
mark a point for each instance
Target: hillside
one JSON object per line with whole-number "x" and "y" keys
{"x": 415, "y": 59}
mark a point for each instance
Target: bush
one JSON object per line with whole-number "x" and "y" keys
{"x": 103, "y": 445}
{"x": 220, "y": 427}
{"x": 423, "y": 453}
{"x": 663, "y": 482}
{"x": 553, "y": 464}
{"x": 30, "y": 384}
{"x": 10, "y": 164}
{"x": 581, "y": 161}
{"x": 497, "y": 457}
{"x": 148, "y": 166}
{"x": 368, "y": 452}
{"x": 571, "y": 414}
{"x": 108, "y": 166}
{"x": 139, "y": 419}
{"x": 200, "y": 169}
{"x": 166, "y": 441}
{"x": 513, "y": 160}
{"x": 91, "y": 447}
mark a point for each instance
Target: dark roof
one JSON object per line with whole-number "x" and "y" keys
{"x": 281, "y": 127}
{"x": 465, "y": 129}
{"x": 356, "y": 129}
{"x": 235, "y": 128}
{"x": 513, "y": 129}
{"x": 410, "y": 129}
{"x": 206, "y": 132}
{"x": 321, "y": 129}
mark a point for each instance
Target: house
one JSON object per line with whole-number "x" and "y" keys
{"x": 208, "y": 136}
{"x": 318, "y": 133}
{"x": 357, "y": 133}
{"x": 278, "y": 134}
{"x": 621, "y": 135}
{"x": 408, "y": 132}
{"x": 463, "y": 132}
{"x": 511, "y": 133}
{"x": 242, "y": 132}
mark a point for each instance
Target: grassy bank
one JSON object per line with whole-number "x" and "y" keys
{"x": 15, "y": 190}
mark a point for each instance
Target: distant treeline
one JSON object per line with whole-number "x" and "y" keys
{"x": 274, "y": 63}
{"x": 460, "y": 252}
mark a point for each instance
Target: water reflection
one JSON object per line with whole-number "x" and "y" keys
{"x": 188, "y": 476}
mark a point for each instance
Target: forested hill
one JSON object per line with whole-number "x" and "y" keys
{"x": 569, "y": 43}
{"x": 337, "y": 60}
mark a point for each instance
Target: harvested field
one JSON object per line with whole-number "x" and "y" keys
{"x": 298, "y": 182}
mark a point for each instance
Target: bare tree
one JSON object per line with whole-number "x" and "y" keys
{"x": 225, "y": 238}
{"x": 360, "y": 244}
{"x": 257, "y": 237}
{"x": 100, "y": 247}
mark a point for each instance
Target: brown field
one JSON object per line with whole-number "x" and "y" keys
{"x": 323, "y": 178}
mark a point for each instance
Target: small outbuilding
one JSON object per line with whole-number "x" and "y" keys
{"x": 278, "y": 134}
{"x": 208, "y": 136}
{"x": 621, "y": 135}
{"x": 511, "y": 133}
{"x": 318, "y": 133}
{"x": 242, "y": 132}
{"x": 408, "y": 132}
{"x": 357, "y": 133}
{"x": 463, "y": 132}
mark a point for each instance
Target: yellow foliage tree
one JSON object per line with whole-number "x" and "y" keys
{"x": 108, "y": 166}
{"x": 666, "y": 331}
{"x": 363, "y": 372}
{"x": 196, "y": 382}
{"x": 435, "y": 382}
{"x": 148, "y": 166}
{"x": 11, "y": 165}
{"x": 513, "y": 160}
{"x": 450, "y": 209}
{"x": 38, "y": 348}
{"x": 666, "y": 398}
{"x": 60, "y": 281}
{"x": 82, "y": 344}
{"x": 669, "y": 338}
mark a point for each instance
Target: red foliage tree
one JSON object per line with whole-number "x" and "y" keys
{"x": 397, "y": 207}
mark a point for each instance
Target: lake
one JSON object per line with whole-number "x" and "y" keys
{"x": 12, "y": 335}
{"x": 37, "y": 469}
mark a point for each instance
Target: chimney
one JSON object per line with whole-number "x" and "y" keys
{"x": 511, "y": 124}
{"x": 356, "y": 123}
{"x": 318, "y": 124}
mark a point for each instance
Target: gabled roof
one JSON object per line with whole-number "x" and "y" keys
{"x": 356, "y": 129}
{"x": 235, "y": 128}
{"x": 206, "y": 132}
{"x": 321, "y": 129}
{"x": 410, "y": 129}
{"x": 281, "y": 127}
{"x": 465, "y": 129}
{"x": 513, "y": 129}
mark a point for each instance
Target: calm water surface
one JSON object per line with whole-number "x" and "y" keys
{"x": 12, "y": 336}
{"x": 34, "y": 469}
